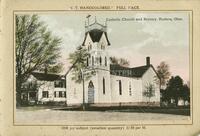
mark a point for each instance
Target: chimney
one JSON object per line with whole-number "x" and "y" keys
{"x": 148, "y": 61}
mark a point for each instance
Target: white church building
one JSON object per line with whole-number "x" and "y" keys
{"x": 109, "y": 85}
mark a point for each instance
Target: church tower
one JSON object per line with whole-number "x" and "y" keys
{"x": 96, "y": 42}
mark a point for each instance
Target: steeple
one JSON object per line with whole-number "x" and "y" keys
{"x": 96, "y": 42}
{"x": 95, "y": 31}
{"x": 94, "y": 25}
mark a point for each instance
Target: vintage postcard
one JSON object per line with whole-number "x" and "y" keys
{"x": 99, "y": 69}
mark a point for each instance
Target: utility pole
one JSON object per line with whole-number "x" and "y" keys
{"x": 82, "y": 76}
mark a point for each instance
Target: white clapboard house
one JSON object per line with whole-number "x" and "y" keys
{"x": 43, "y": 88}
{"x": 109, "y": 85}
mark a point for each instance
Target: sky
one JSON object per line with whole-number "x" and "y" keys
{"x": 159, "y": 35}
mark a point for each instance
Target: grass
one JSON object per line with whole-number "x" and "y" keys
{"x": 145, "y": 109}
{"x": 139, "y": 109}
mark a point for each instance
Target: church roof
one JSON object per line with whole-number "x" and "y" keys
{"x": 129, "y": 72}
{"x": 96, "y": 35}
{"x": 46, "y": 76}
{"x": 139, "y": 71}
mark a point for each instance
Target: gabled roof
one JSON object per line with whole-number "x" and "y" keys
{"x": 96, "y": 35}
{"x": 139, "y": 71}
{"x": 46, "y": 76}
{"x": 118, "y": 67}
{"x": 129, "y": 72}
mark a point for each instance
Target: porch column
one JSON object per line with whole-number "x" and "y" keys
{"x": 28, "y": 96}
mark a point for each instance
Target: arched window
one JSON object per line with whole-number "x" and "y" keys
{"x": 90, "y": 85}
{"x": 105, "y": 61}
{"x": 104, "y": 88}
{"x": 92, "y": 60}
{"x": 87, "y": 61}
{"x": 120, "y": 87}
{"x": 100, "y": 60}
{"x": 102, "y": 47}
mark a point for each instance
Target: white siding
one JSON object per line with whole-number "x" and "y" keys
{"x": 103, "y": 98}
{"x": 58, "y": 99}
{"x": 49, "y": 86}
{"x": 149, "y": 78}
{"x": 74, "y": 90}
{"x": 136, "y": 87}
{"x": 46, "y": 86}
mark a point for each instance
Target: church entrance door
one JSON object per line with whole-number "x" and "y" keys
{"x": 90, "y": 92}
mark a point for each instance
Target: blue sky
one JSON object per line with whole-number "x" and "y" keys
{"x": 134, "y": 40}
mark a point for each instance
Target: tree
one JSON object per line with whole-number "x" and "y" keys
{"x": 119, "y": 61}
{"x": 163, "y": 73}
{"x": 149, "y": 91}
{"x": 186, "y": 92}
{"x": 36, "y": 49}
{"x": 176, "y": 89}
{"x": 78, "y": 60}
{"x": 163, "y": 94}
